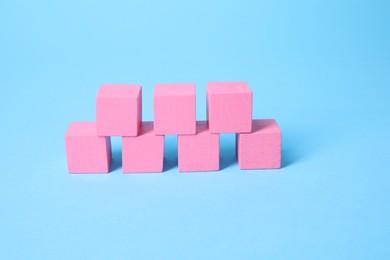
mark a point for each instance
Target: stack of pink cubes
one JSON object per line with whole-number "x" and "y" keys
{"x": 119, "y": 113}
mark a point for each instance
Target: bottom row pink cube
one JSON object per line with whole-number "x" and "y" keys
{"x": 199, "y": 152}
{"x": 85, "y": 151}
{"x": 260, "y": 149}
{"x": 143, "y": 153}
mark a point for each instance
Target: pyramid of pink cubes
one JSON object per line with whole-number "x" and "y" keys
{"x": 119, "y": 113}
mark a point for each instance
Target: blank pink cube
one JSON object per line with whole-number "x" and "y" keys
{"x": 199, "y": 152}
{"x": 262, "y": 148}
{"x": 143, "y": 153}
{"x": 119, "y": 110}
{"x": 174, "y": 109}
{"x": 229, "y": 107}
{"x": 87, "y": 152}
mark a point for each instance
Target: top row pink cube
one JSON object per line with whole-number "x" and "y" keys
{"x": 119, "y": 109}
{"x": 229, "y": 107}
{"x": 175, "y": 109}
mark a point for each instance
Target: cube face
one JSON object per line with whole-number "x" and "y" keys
{"x": 119, "y": 110}
{"x": 143, "y": 153}
{"x": 175, "y": 109}
{"x": 229, "y": 107}
{"x": 85, "y": 151}
{"x": 199, "y": 152}
{"x": 260, "y": 149}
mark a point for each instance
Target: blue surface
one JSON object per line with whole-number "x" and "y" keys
{"x": 321, "y": 68}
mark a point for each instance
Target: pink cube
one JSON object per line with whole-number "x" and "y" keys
{"x": 260, "y": 149}
{"x": 229, "y": 107}
{"x": 174, "y": 109}
{"x": 199, "y": 152}
{"x": 87, "y": 152}
{"x": 119, "y": 110}
{"x": 143, "y": 153}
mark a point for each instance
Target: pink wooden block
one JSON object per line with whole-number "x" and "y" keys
{"x": 143, "y": 153}
{"x": 199, "y": 152}
{"x": 174, "y": 109}
{"x": 260, "y": 149}
{"x": 85, "y": 151}
{"x": 119, "y": 110}
{"x": 229, "y": 107}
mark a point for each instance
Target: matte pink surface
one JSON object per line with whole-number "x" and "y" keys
{"x": 119, "y": 110}
{"x": 199, "y": 152}
{"x": 229, "y": 107}
{"x": 262, "y": 148}
{"x": 85, "y": 151}
{"x": 143, "y": 153}
{"x": 175, "y": 109}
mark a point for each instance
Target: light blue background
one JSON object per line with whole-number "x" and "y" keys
{"x": 321, "y": 68}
